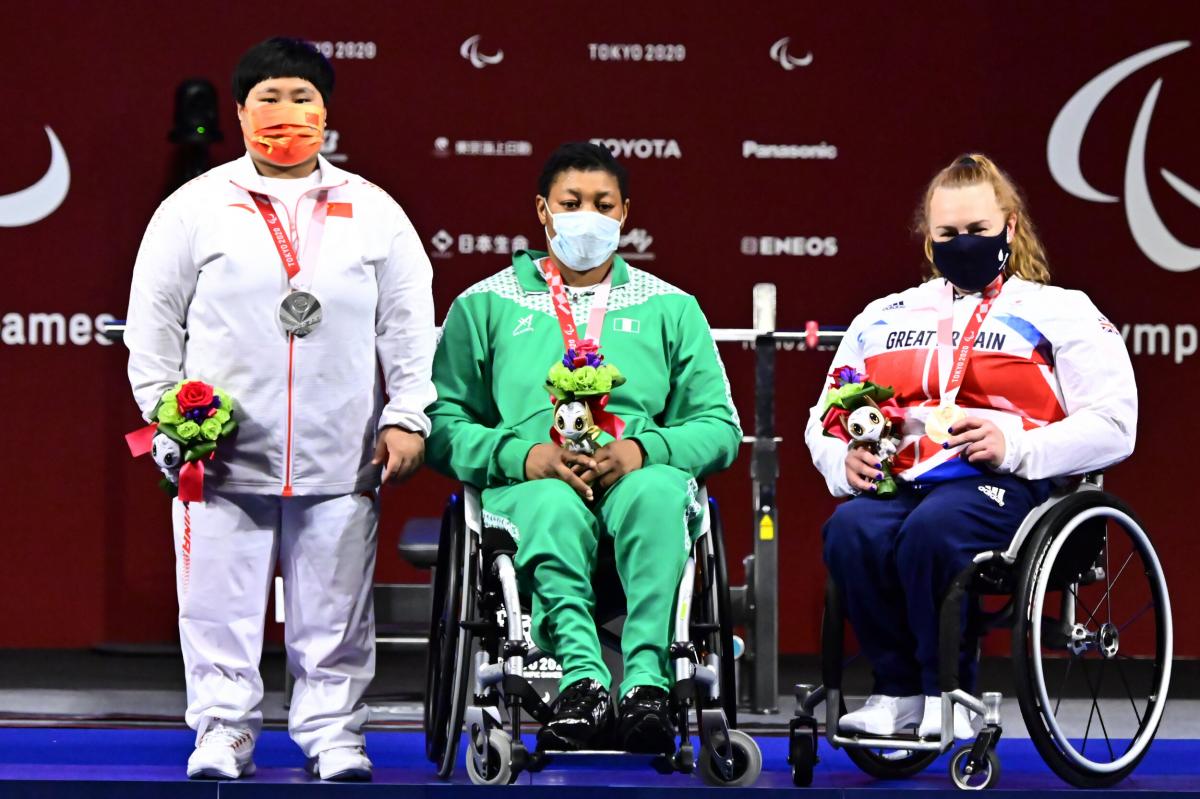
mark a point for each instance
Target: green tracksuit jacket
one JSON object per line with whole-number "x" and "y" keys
{"x": 499, "y": 340}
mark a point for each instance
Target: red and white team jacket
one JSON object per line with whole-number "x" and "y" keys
{"x": 1048, "y": 369}
{"x": 205, "y": 302}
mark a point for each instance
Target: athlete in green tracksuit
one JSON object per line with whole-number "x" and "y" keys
{"x": 491, "y": 428}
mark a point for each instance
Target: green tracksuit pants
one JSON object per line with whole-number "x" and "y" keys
{"x": 652, "y": 516}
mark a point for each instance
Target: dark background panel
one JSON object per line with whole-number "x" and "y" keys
{"x": 899, "y": 90}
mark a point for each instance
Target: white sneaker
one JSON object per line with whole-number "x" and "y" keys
{"x": 931, "y": 724}
{"x": 341, "y": 764}
{"x": 225, "y": 752}
{"x": 883, "y": 715}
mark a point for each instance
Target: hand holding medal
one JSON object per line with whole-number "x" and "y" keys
{"x": 982, "y": 441}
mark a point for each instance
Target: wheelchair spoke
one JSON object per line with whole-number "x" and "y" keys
{"x": 1133, "y": 702}
{"x": 1090, "y": 715}
{"x": 1080, "y": 602}
{"x": 1136, "y": 616}
{"x": 1095, "y": 690}
{"x": 1120, "y": 571}
{"x": 1108, "y": 571}
{"x": 1063, "y": 686}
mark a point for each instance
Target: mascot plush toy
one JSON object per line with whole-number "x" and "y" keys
{"x": 863, "y": 414}
{"x": 579, "y": 386}
{"x": 574, "y": 424}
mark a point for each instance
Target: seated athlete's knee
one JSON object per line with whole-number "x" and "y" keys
{"x": 656, "y": 485}
{"x": 556, "y": 498}
{"x": 929, "y": 533}
{"x": 845, "y": 533}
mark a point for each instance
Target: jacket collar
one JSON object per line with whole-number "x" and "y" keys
{"x": 532, "y": 282}
{"x": 246, "y": 177}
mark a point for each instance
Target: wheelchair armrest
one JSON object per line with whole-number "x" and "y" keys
{"x": 1092, "y": 481}
{"x": 473, "y": 508}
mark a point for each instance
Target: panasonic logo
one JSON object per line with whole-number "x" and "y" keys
{"x": 803, "y": 152}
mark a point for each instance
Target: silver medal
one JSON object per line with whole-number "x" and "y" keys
{"x": 299, "y": 312}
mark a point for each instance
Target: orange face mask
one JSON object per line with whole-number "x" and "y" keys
{"x": 284, "y": 133}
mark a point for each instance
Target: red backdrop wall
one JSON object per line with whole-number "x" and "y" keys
{"x": 685, "y": 96}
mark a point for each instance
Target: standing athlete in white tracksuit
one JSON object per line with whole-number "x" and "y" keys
{"x": 1005, "y": 384}
{"x": 323, "y": 408}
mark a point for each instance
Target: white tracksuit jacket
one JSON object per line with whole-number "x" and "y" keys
{"x": 204, "y": 305}
{"x": 1047, "y": 368}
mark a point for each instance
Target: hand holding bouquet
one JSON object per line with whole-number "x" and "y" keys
{"x": 186, "y": 426}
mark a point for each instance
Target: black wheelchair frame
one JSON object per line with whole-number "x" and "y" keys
{"x": 1062, "y": 545}
{"x": 477, "y": 641}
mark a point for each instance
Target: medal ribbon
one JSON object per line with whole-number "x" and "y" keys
{"x": 952, "y": 372}
{"x": 283, "y": 244}
{"x": 562, "y": 306}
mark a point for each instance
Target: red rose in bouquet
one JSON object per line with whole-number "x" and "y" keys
{"x": 194, "y": 395}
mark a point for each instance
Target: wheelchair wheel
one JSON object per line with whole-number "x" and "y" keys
{"x": 802, "y": 755}
{"x": 747, "y": 763}
{"x": 987, "y": 777}
{"x": 492, "y": 764}
{"x": 724, "y": 616}
{"x": 447, "y": 665}
{"x": 1092, "y": 594}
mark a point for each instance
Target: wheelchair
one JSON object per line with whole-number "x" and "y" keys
{"x": 477, "y": 642}
{"x": 1079, "y": 579}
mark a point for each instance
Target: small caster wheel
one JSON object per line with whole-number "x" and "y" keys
{"x": 493, "y": 766}
{"x": 977, "y": 779}
{"x": 802, "y": 754}
{"x": 747, "y": 763}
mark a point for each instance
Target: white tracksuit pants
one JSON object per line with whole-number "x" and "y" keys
{"x": 225, "y": 555}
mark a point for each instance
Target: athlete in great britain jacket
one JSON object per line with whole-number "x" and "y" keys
{"x": 1048, "y": 369}
{"x": 205, "y": 302}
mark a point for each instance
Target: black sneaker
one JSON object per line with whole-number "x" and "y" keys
{"x": 582, "y": 714}
{"x": 644, "y": 724}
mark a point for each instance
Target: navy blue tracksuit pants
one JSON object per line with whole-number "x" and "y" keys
{"x": 894, "y": 559}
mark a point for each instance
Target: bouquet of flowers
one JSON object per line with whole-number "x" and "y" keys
{"x": 863, "y": 413}
{"x": 579, "y": 386}
{"x": 188, "y": 422}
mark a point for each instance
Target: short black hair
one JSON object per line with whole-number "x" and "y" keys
{"x": 586, "y": 157}
{"x": 282, "y": 57}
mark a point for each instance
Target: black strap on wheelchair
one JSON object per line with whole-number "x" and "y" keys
{"x": 832, "y": 637}
{"x": 950, "y": 629}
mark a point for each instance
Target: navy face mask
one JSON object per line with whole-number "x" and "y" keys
{"x": 971, "y": 262}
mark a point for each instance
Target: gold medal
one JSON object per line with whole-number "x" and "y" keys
{"x": 944, "y": 417}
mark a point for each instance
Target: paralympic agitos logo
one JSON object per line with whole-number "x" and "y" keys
{"x": 1066, "y": 138}
{"x": 36, "y": 202}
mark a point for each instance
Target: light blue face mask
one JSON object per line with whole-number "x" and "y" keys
{"x": 584, "y": 240}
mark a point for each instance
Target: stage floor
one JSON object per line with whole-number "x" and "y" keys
{"x": 134, "y": 763}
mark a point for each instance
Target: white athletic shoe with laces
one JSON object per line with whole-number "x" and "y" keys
{"x": 225, "y": 752}
{"x": 341, "y": 764}
{"x": 931, "y": 723}
{"x": 883, "y": 715}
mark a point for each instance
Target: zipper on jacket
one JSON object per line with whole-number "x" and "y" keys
{"x": 287, "y": 463}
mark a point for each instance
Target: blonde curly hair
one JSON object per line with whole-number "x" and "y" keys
{"x": 1028, "y": 259}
